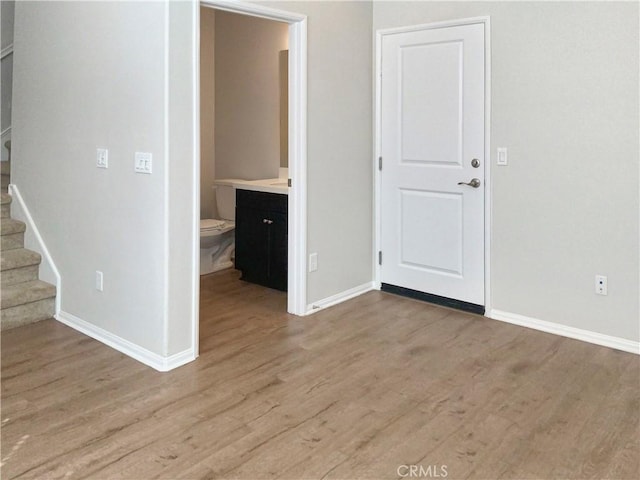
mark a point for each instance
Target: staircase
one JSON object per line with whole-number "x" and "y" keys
{"x": 23, "y": 298}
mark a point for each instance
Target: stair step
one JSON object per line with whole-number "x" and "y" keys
{"x": 5, "y": 203}
{"x": 27, "y": 292}
{"x": 11, "y": 226}
{"x": 18, "y": 258}
{"x": 19, "y": 275}
{"x": 11, "y": 242}
{"x": 27, "y": 313}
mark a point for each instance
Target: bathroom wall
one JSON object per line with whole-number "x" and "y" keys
{"x": 247, "y": 95}
{"x": 207, "y": 111}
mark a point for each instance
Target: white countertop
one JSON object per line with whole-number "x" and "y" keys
{"x": 269, "y": 185}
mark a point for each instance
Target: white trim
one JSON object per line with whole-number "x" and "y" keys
{"x": 340, "y": 297}
{"x": 486, "y": 21}
{"x": 431, "y": 26}
{"x": 167, "y": 190}
{"x": 297, "y": 245}
{"x": 488, "y": 185}
{"x": 566, "y": 331}
{"x": 195, "y": 257}
{"x": 42, "y": 247}
{"x": 6, "y": 51}
{"x": 377, "y": 152}
{"x": 153, "y": 360}
{"x": 236, "y": 6}
{"x": 5, "y": 131}
{"x": 297, "y": 207}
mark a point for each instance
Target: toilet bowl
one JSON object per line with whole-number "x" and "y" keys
{"x": 217, "y": 235}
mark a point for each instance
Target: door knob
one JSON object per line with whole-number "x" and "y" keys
{"x": 267, "y": 221}
{"x": 475, "y": 183}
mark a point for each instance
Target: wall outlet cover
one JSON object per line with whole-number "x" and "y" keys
{"x": 102, "y": 158}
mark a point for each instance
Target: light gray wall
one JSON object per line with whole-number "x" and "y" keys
{"x": 339, "y": 144}
{"x": 7, "y": 10}
{"x": 565, "y": 103}
{"x": 247, "y": 93}
{"x": 207, "y": 111}
{"x": 87, "y": 75}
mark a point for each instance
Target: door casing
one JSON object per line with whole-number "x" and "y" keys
{"x": 380, "y": 34}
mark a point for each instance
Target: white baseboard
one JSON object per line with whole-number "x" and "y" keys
{"x": 566, "y": 331}
{"x": 153, "y": 360}
{"x": 34, "y": 241}
{"x": 339, "y": 298}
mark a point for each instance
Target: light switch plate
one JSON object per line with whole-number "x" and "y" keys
{"x": 502, "y": 156}
{"x": 143, "y": 162}
{"x": 99, "y": 281}
{"x": 102, "y": 158}
{"x": 313, "y": 262}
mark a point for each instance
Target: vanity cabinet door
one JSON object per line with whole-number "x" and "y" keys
{"x": 278, "y": 254}
{"x": 261, "y": 238}
{"x": 252, "y": 249}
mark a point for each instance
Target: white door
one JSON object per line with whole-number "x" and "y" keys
{"x": 432, "y": 142}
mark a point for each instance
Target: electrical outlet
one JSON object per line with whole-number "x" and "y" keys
{"x": 313, "y": 262}
{"x": 99, "y": 281}
{"x": 143, "y": 162}
{"x": 601, "y": 285}
{"x": 102, "y": 158}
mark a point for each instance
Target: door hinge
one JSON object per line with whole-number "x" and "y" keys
{"x": 288, "y": 182}
{"x": 379, "y": 163}
{"x": 380, "y": 257}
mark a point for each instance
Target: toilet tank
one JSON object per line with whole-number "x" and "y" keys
{"x": 225, "y": 199}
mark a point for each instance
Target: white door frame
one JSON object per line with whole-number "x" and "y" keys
{"x": 380, "y": 34}
{"x": 297, "y": 243}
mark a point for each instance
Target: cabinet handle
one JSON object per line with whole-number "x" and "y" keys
{"x": 267, "y": 221}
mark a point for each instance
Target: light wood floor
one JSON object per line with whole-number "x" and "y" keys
{"x": 354, "y": 391}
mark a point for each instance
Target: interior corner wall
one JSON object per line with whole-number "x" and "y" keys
{"x": 207, "y": 111}
{"x": 182, "y": 202}
{"x": 339, "y": 144}
{"x": 247, "y": 93}
{"x": 80, "y": 84}
{"x": 564, "y": 90}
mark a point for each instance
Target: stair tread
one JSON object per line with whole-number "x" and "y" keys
{"x": 18, "y": 258}
{"x": 27, "y": 292}
{"x": 5, "y": 198}
{"x": 11, "y": 226}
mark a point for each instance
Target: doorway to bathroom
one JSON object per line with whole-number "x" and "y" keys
{"x": 224, "y": 164}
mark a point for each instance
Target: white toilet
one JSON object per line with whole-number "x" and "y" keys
{"x": 217, "y": 236}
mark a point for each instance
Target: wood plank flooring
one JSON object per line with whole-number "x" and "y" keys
{"x": 366, "y": 389}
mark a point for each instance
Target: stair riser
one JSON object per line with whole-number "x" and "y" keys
{"x": 9, "y": 242}
{"x": 6, "y": 210}
{"x": 24, "y": 293}
{"x": 19, "y": 275}
{"x": 27, "y": 313}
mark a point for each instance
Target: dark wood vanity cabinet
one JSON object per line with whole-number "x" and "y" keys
{"x": 261, "y": 238}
